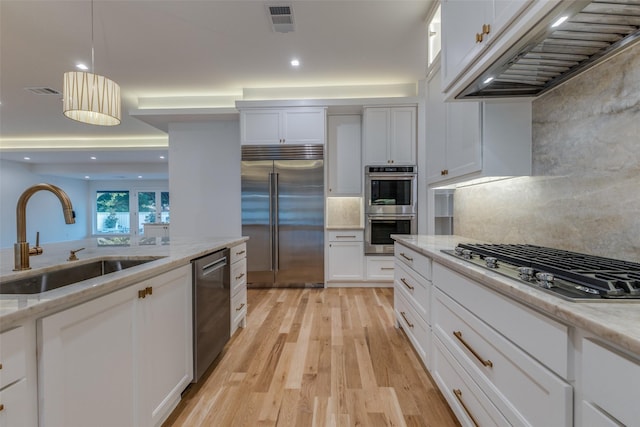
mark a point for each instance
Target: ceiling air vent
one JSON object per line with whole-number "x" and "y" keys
{"x": 42, "y": 91}
{"x": 281, "y": 18}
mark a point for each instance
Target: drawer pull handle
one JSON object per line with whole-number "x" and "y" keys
{"x": 240, "y": 308}
{"x": 487, "y": 362}
{"x": 142, "y": 293}
{"x": 346, "y": 237}
{"x": 406, "y": 284}
{"x": 404, "y": 316}
{"x": 1, "y": 407}
{"x": 240, "y": 276}
{"x": 386, "y": 268}
{"x": 406, "y": 257}
{"x": 0, "y": 365}
{"x": 458, "y": 394}
{"x": 241, "y": 252}
{"x": 149, "y": 290}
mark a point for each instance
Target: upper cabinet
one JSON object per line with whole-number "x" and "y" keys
{"x": 296, "y": 125}
{"x": 389, "y": 135}
{"x": 468, "y": 140}
{"x": 344, "y": 150}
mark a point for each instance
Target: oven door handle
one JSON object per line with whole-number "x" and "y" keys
{"x": 389, "y": 217}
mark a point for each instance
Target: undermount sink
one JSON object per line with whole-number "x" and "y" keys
{"x": 43, "y": 282}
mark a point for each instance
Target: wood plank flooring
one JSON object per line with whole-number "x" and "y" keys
{"x": 316, "y": 357}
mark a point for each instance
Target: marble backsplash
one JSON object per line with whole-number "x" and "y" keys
{"x": 584, "y": 194}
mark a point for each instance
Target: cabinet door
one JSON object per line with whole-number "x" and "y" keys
{"x": 345, "y": 155}
{"x": 15, "y": 405}
{"x": 402, "y": 148}
{"x": 461, "y": 21}
{"x": 167, "y": 357}
{"x": 464, "y": 140}
{"x": 376, "y": 136}
{"x": 87, "y": 369}
{"x": 345, "y": 261}
{"x": 303, "y": 126}
{"x": 260, "y": 127}
{"x": 435, "y": 129}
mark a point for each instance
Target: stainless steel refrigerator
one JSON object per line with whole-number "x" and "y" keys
{"x": 283, "y": 215}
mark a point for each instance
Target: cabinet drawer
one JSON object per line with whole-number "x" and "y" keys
{"x": 238, "y": 276}
{"x": 379, "y": 268}
{"x": 12, "y": 356}
{"x": 468, "y": 402}
{"x": 414, "y": 260}
{"x": 15, "y": 402}
{"x": 516, "y": 384}
{"x": 415, "y": 288}
{"x": 238, "y": 252}
{"x": 238, "y": 308}
{"x": 346, "y": 236}
{"x": 540, "y": 336}
{"x": 609, "y": 380}
{"x": 594, "y": 417}
{"x": 414, "y": 326}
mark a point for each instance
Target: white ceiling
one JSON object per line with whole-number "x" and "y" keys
{"x": 204, "y": 53}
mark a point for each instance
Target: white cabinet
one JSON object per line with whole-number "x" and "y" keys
{"x": 238, "y": 270}
{"x": 379, "y": 268}
{"x": 469, "y": 27}
{"x": 16, "y": 408}
{"x": 156, "y": 230}
{"x": 267, "y": 126}
{"x": 608, "y": 377}
{"x": 475, "y": 139}
{"x": 389, "y": 135}
{"x": 344, "y": 151}
{"x": 121, "y": 359}
{"x": 345, "y": 256}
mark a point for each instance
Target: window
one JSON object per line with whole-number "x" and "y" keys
{"x": 113, "y": 215}
{"x": 149, "y": 211}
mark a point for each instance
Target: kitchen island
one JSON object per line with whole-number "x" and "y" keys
{"x": 118, "y": 345}
{"x": 500, "y": 349}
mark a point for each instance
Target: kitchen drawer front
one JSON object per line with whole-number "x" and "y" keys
{"x": 12, "y": 356}
{"x": 414, "y": 260}
{"x": 346, "y": 236}
{"x": 540, "y": 336}
{"x": 415, "y": 288}
{"x": 15, "y": 402}
{"x": 517, "y": 385}
{"x": 380, "y": 268}
{"x": 468, "y": 402}
{"x": 238, "y": 276}
{"x": 609, "y": 380}
{"x": 238, "y": 308}
{"x": 414, "y": 326}
{"x": 238, "y": 252}
{"x": 594, "y": 417}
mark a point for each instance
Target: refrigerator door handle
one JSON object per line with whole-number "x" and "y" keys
{"x": 276, "y": 223}
{"x": 271, "y": 216}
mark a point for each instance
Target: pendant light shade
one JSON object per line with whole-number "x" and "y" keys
{"x": 91, "y": 98}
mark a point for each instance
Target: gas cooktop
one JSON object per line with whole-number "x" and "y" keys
{"x": 570, "y": 275}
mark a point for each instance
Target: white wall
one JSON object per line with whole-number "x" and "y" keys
{"x": 44, "y": 212}
{"x": 204, "y": 179}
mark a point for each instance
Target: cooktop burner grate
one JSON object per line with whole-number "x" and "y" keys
{"x": 611, "y": 278}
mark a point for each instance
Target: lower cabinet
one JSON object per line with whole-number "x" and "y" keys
{"x": 119, "y": 360}
{"x": 238, "y": 256}
{"x": 380, "y": 268}
{"x": 345, "y": 257}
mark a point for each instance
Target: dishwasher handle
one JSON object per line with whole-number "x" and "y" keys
{"x": 216, "y": 265}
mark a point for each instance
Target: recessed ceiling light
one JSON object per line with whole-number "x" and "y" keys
{"x": 559, "y": 21}
{"x": 139, "y": 176}
{"x": 488, "y": 80}
{"x": 81, "y": 66}
{"x": 87, "y": 177}
{"x": 295, "y": 63}
{"x": 93, "y": 157}
{"x": 27, "y": 158}
{"x": 162, "y": 157}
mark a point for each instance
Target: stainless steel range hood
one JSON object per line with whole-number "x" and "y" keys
{"x": 548, "y": 56}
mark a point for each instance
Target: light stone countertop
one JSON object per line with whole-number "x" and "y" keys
{"x": 176, "y": 253}
{"x": 615, "y": 321}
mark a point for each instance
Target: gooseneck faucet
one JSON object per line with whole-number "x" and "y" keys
{"x": 21, "y": 248}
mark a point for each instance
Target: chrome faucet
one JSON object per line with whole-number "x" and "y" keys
{"x": 21, "y": 248}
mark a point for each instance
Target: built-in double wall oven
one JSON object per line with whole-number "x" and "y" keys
{"x": 390, "y": 206}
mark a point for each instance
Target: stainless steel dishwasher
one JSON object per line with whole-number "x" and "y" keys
{"x": 211, "y": 309}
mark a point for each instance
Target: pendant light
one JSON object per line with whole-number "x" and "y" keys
{"x": 91, "y": 98}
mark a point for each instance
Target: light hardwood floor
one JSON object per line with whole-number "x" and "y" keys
{"x": 316, "y": 357}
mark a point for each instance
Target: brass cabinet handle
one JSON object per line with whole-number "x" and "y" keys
{"x": 1, "y": 407}
{"x": 148, "y": 290}
{"x": 345, "y": 237}
{"x": 478, "y": 37}
{"x": 0, "y": 365}
{"x": 240, "y": 308}
{"x": 404, "y": 316}
{"x": 142, "y": 293}
{"x": 487, "y": 362}
{"x": 458, "y": 393}
{"x": 386, "y": 268}
{"x": 240, "y": 276}
{"x": 406, "y": 257}
{"x": 241, "y": 252}
{"x": 486, "y": 28}
{"x": 406, "y": 284}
